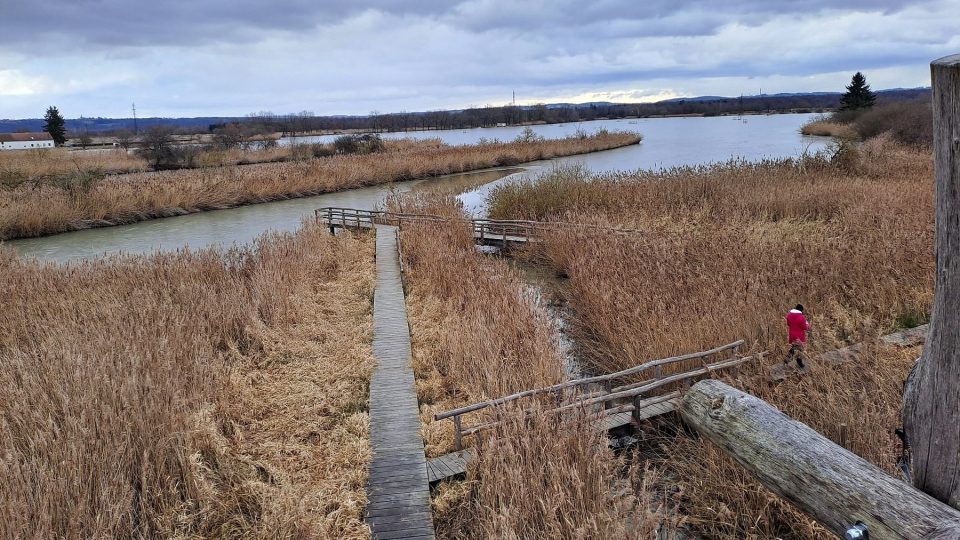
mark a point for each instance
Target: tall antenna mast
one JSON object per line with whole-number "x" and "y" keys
{"x": 135, "y": 131}
{"x": 514, "y": 98}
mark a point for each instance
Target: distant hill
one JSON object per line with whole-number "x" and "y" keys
{"x": 487, "y": 116}
{"x": 111, "y": 124}
{"x": 892, "y": 94}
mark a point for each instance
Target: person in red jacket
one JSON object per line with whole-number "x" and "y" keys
{"x": 797, "y": 326}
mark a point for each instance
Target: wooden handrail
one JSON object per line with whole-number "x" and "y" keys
{"x": 329, "y": 212}
{"x": 587, "y": 380}
{"x": 460, "y": 432}
{"x": 706, "y": 370}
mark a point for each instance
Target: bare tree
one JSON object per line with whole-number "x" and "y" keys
{"x": 84, "y": 139}
{"x": 158, "y": 146}
{"x": 124, "y": 138}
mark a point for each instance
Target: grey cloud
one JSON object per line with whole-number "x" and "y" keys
{"x": 118, "y": 23}
{"x": 176, "y": 22}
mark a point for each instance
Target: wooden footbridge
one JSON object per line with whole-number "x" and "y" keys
{"x": 614, "y": 400}
{"x": 488, "y": 232}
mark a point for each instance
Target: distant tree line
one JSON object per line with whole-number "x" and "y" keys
{"x": 305, "y": 121}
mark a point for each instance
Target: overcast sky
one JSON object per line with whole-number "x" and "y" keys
{"x": 233, "y": 57}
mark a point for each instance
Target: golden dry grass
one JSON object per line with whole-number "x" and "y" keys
{"x": 828, "y": 128}
{"x": 722, "y": 253}
{"x": 50, "y": 161}
{"x": 480, "y": 332}
{"x": 188, "y": 395}
{"x": 129, "y": 198}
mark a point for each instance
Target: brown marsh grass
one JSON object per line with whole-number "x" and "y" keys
{"x": 188, "y": 395}
{"x": 828, "y": 128}
{"x": 721, "y": 253}
{"x": 479, "y": 332}
{"x": 51, "y": 161}
{"x": 136, "y": 197}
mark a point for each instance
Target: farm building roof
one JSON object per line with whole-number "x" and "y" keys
{"x": 20, "y": 137}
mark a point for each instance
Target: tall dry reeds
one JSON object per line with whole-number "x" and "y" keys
{"x": 480, "y": 332}
{"x": 51, "y": 161}
{"x": 547, "y": 476}
{"x": 28, "y": 211}
{"x": 187, "y": 395}
{"x": 826, "y": 128}
{"x": 721, "y": 252}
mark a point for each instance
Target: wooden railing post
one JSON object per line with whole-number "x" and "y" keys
{"x": 457, "y": 435}
{"x": 931, "y": 400}
{"x": 608, "y": 388}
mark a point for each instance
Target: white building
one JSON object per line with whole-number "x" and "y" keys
{"x": 21, "y": 141}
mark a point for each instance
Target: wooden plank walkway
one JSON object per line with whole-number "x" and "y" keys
{"x": 455, "y": 463}
{"x": 397, "y": 489}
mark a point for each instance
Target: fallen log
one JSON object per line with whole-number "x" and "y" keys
{"x": 832, "y": 485}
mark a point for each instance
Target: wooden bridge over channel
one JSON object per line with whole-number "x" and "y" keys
{"x": 489, "y": 232}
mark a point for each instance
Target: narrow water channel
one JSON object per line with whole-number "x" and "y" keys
{"x": 230, "y": 226}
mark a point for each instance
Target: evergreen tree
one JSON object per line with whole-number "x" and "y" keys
{"x": 54, "y": 125}
{"x": 858, "y": 96}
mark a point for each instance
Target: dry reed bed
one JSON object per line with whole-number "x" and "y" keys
{"x": 188, "y": 395}
{"x": 725, "y": 251}
{"x": 53, "y": 161}
{"x": 479, "y": 332}
{"x": 137, "y": 197}
{"x": 828, "y": 128}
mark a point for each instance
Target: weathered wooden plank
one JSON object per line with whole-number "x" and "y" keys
{"x": 397, "y": 487}
{"x": 451, "y": 464}
{"x": 613, "y": 421}
{"x": 833, "y": 485}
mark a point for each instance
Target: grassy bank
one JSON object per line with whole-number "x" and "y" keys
{"x": 480, "y": 332}
{"x": 189, "y": 395}
{"x": 909, "y": 123}
{"x": 722, "y": 253}
{"x": 829, "y": 128}
{"x": 26, "y": 211}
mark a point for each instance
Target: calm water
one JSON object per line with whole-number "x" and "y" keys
{"x": 667, "y": 142}
{"x": 221, "y": 227}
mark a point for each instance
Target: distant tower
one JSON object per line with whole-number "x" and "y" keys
{"x": 514, "y": 98}
{"x": 135, "y": 131}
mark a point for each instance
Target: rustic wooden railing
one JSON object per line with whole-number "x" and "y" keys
{"x": 600, "y": 391}
{"x": 495, "y": 230}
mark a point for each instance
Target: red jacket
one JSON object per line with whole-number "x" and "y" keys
{"x": 798, "y": 326}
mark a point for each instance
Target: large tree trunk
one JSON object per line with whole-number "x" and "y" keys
{"x": 834, "y": 486}
{"x": 931, "y": 402}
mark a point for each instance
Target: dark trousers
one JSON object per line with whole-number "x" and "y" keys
{"x": 796, "y": 353}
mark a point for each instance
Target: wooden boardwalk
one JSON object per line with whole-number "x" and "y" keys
{"x": 398, "y": 491}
